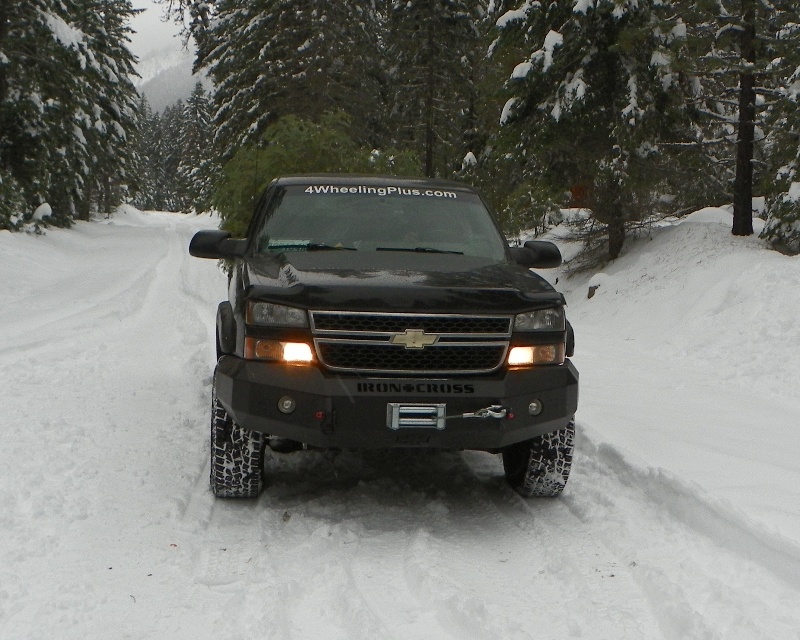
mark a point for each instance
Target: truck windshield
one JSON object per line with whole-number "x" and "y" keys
{"x": 369, "y": 218}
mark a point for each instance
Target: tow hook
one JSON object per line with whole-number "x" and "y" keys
{"x": 495, "y": 411}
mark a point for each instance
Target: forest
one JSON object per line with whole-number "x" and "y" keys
{"x": 626, "y": 109}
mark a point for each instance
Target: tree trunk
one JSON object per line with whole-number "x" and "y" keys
{"x": 85, "y": 203}
{"x": 616, "y": 236}
{"x": 430, "y": 134}
{"x": 4, "y": 22}
{"x": 743, "y": 186}
{"x": 107, "y": 202}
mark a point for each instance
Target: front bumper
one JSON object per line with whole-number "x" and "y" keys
{"x": 350, "y": 412}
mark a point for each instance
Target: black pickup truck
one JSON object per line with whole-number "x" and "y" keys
{"x": 375, "y": 312}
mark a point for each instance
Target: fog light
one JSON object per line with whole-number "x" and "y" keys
{"x": 286, "y": 404}
{"x": 535, "y": 407}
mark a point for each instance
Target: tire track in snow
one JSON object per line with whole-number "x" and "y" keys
{"x": 421, "y": 544}
{"x": 97, "y": 431}
{"x": 608, "y": 602}
{"x": 418, "y": 542}
{"x": 714, "y": 520}
{"x": 696, "y": 563}
{"x": 100, "y": 298}
{"x": 386, "y": 580}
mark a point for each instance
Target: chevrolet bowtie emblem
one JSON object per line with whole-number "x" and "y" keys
{"x": 415, "y": 339}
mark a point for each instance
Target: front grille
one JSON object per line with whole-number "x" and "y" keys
{"x": 446, "y": 359}
{"x": 386, "y": 323}
{"x": 362, "y": 342}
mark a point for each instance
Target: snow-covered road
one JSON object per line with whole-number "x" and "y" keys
{"x": 679, "y": 521}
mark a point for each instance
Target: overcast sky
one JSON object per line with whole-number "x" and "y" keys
{"x": 152, "y": 32}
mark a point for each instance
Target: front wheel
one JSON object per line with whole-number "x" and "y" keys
{"x": 237, "y": 457}
{"x": 540, "y": 467}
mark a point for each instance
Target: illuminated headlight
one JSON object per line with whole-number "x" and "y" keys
{"x": 536, "y": 355}
{"x": 277, "y": 351}
{"x": 297, "y": 352}
{"x": 266, "y": 314}
{"x": 552, "y": 319}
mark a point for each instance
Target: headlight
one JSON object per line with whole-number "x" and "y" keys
{"x": 266, "y": 314}
{"x": 536, "y": 355}
{"x": 277, "y": 351}
{"x": 552, "y": 319}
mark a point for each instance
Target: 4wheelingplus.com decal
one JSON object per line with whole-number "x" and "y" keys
{"x": 379, "y": 191}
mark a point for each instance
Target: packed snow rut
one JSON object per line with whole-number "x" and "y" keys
{"x": 111, "y": 532}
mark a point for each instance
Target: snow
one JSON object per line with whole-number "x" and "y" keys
{"x": 582, "y": 6}
{"x": 507, "y": 109}
{"x": 572, "y": 90}
{"x": 469, "y": 161}
{"x": 64, "y": 33}
{"x": 42, "y": 211}
{"x": 659, "y": 59}
{"x": 681, "y": 518}
{"x": 632, "y": 110}
{"x": 514, "y": 15}
{"x": 552, "y": 40}
{"x": 521, "y": 70}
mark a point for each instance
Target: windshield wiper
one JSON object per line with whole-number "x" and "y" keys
{"x": 312, "y": 246}
{"x": 419, "y": 250}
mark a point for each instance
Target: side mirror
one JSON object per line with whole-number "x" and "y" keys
{"x": 537, "y": 254}
{"x": 216, "y": 245}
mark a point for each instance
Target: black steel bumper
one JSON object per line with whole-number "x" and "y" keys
{"x": 350, "y": 412}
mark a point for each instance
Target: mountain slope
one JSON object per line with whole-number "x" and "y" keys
{"x": 166, "y": 77}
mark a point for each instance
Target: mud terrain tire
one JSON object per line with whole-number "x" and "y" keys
{"x": 540, "y": 467}
{"x": 237, "y": 457}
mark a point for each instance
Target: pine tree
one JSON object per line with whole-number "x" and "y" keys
{"x": 31, "y": 56}
{"x": 144, "y": 179}
{"x": 269, "y": 58}
{"x": 155, "y": 186}
{"x": 198, "y": 167}
{"x": 730, "y": 51}
{"x": 594, "y": 103}
{"x": 111, "y": 97}
{"x": 783, "y": 152}
{"x": 64, "y": 63}
{"x": 173, "y": 189}
{"x": 434, "y": 49}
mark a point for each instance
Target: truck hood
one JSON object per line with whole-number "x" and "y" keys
{"x": 399, "y": 281}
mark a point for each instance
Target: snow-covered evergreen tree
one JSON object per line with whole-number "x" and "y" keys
{"x": 176, "y": 166}
{"x": 111, "y": 98}
{"x": 197, "y": 168}
{"x": 783, "y": 174}
{"x": 31, "y": 56}
{"x": 595, "y": 102}
{"x": 270, "y": 58}
{"x": 174, "y": 189}
{"x": 147, "y": 172}
{"x": 733, "y": 52}
{"x": 434, "y": 47}
{"x": 66, "y": 100}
